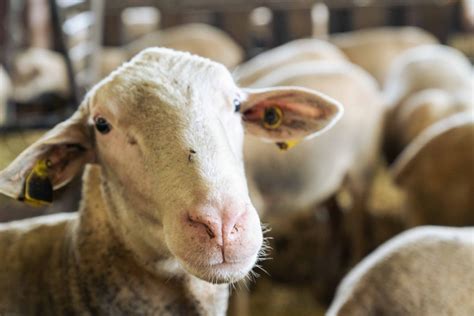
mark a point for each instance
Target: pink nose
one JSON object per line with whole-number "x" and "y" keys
{"x": 222, "y": 230}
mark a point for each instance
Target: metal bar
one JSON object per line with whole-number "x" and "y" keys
{"x": 61, "y": 47}
{"x": 78, "y": 23}
{"x": 71, "y": 4}
{"x": 81, "y": 51}
{"x": 96, "y": 38}
{"x": 238, "y": 5}
{"x": 4, "y": 9}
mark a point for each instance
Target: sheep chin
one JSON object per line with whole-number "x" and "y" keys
{"x": 225, "y": 272}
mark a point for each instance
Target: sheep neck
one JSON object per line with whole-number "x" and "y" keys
{"x": 108, "y": 274}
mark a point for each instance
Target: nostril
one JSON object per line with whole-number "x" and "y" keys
{"x": 209, "y": 232}
{"x": 233, "y": 226}
{"x": 207, "y": 226}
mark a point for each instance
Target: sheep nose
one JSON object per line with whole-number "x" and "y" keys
{"x": 220, "y": 229}
{"x": 230, "y": 233}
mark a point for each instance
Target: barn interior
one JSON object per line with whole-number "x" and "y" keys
{"x": 52, "y": 52}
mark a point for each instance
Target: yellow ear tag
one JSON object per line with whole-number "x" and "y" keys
{"x": 287, "y": 145}
{"x": 38, "y": 187}
{"x": 272, "y": 117}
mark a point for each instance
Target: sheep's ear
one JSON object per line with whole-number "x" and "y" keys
{"x": 49, "y": 163}
{"x": 287, "y": 115}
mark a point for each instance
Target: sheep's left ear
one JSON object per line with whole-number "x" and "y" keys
{"x": 49, "y": 163}
{"x": 287, "y": 115}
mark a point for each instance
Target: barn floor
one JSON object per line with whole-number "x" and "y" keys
{"x": 270, "y": 299}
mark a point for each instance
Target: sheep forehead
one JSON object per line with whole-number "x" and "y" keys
{"x": 174, "y": 79}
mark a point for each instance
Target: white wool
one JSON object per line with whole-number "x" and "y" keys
{"x": 380, "y": 35}
{"x": 428, "y": 67}
{"x": 197, "y": 38}
{"x": 412, "y": 249}
{"x": 424, "y": 108}
{"x": 429, "y": 135}
{"x": 374, "y": 49}
{"x": 314, "y": 170}
{"x": 435, "y": 170}
{"x": 323, "y": 67}
{"x": 293, "y": 52}
{"x": 51, "y": 74}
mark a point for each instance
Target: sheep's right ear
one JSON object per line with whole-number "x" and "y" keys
{"x": 287, "y": 115}
{"x": 49, "y": 163}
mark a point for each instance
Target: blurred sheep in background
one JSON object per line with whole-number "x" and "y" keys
{"x": 418, "y": 69}
{"x": 196, "y": 38}
{"x": 436, "y": 170}
{"x": 310, "y": 175}
{"x": 423, "y": 271}
{"x": 296, "y": 51}
{"x": 38, "y": 71}
{"x": 427, "y": 67}
{"x": 314, "y": 171}
{"x": 375, "y": 49}
{"x": 424, "y": 108}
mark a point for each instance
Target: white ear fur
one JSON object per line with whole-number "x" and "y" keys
{"x": 304, "y": 113}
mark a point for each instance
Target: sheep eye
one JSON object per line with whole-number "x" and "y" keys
{"x": 102, "y": 126}
{"x": 237, "y": 105}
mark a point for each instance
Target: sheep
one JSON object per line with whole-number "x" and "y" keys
{"x": 375, "y": 49}
{"x": 424, "y": 271}
{"x": 292, "y": 52}
{"x": 37, "y": 71}
{"x": 425, "y": 108}
{"x": 418, "y": 69}
{"x": 5, "y": 92}
{"x": 436, "y": 170}
{"x": 197, "y": 38}
{"x": 427, "y": 67}
{"x": 313, "y": 171}
{"x": 165, "y": 221}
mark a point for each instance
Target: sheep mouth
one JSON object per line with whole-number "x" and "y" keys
{"x": 222, "y": 272}
{"x": 236, "y": 265}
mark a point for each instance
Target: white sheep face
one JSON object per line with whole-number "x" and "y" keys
{"x": 167, "y": 131}
{"x": 179, "y": 141}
